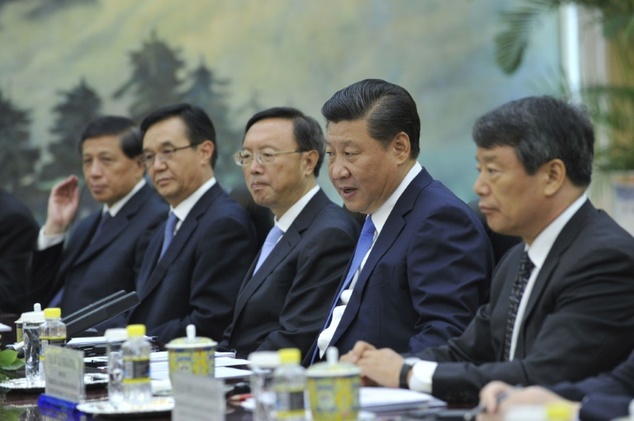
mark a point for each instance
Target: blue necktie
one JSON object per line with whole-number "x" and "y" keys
{"x": 523, "y": 274}
{"x": 363, "y": 246}
{"x": 269, "y": 244}
{"x": 168, "y": 235}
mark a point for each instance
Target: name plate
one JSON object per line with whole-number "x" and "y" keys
{"x": 64, "y": 370}
{"x": 197, "y": 397}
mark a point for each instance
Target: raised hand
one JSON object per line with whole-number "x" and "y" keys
{"x": 63, "y": 203}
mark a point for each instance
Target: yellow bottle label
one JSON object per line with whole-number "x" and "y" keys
{"x": 51, "y": 340}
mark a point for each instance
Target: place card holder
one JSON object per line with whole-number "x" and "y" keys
{"x": 197, "y": 397}
{"x": 59, "y": 409}
{"x": 64, "y": 388}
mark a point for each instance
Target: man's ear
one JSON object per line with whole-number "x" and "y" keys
{"x": 310, "y": 159}
{"x": 206, "y": 148}
{"x": 401, "y": 146}
{"x": 554, "y": 176}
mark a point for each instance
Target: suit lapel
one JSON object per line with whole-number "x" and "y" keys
{"x": 180, "y": 241}
{"x": 287, "y": 243}
{"x": 391, "y": 230}
{"x": 81, "y": 240}
{"x": 563, "y": 241}
{"x": 113, "y": 228}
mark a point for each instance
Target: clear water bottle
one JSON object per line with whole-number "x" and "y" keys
{"x": 52, "y": 333}
{"x": 289, "y": 383}
{"x": 115, "y": 339}
{"x": 135, "y": 351}
{"x": 30, "y": 323}
{"x": 262, "y": 365}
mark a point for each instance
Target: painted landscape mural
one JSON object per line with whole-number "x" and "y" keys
{"x": 64, "y": 62}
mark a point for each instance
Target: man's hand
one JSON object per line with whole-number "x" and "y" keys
{"x": 355, "y": 353}
{"x": 63, "y": 203}
{"x": 498, "y": 397}
{"x": 490, "y": 398}
{"x": 380, "y": 366}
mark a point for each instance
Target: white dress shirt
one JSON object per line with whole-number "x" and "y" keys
{"x": 378, "y": 219}
{"x": 423, "y": 371}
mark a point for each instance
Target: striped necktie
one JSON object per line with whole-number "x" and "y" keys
{"x": 523, "y": 275}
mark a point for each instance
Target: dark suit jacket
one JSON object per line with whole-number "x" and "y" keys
{"x": 604, "y": 397}
{"x": 425, "y": 276}
{"x": 197, "y": 280}
{"x": 284, "y": 305}
{"x": 18, "y": 231}
{"x": 576, "y": 320}
{"x": 89, "y": 270}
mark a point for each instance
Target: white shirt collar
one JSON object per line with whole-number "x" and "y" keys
{"x": 116, "y": 207}
{"x": 538, "y": 251}
{"x": 183, "y": 208}
{"x": 289, "y": 216}
{"x": 383, "y": 212}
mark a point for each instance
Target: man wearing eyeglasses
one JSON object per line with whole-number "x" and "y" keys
{"x": 287, "y": 291}
{"x": 104, "y": 251}
{"x": 196, "y": 260}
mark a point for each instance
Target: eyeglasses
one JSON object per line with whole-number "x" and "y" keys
{"x": 264, "y": 157}
{"x": 166, "y": 154}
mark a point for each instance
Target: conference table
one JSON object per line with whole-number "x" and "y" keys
{"x": 21, "y": 405}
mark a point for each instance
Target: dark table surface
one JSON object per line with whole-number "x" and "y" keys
{"x": 23, "y": 406}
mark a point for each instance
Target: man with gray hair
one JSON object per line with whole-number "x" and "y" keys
{"x": 287, "y": 291}
{"x": 561, "y": 301}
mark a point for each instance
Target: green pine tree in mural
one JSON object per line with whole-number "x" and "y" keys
{"x": 78, "y": 107}
{"x": 207, "y": 92}
{"x": 17, "y": 158}
{"x": 154, "y": 80}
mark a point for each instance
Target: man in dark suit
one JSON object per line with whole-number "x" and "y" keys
{"x": 288, "y": 289}
{"x": 561, "y": 301}
{"x": 18, "y": 231}
{"x": 601, "y": 398}
{"x": 429, "y": 260}
{"x": 196, "y": 260}
{"x": 103, "y": 253}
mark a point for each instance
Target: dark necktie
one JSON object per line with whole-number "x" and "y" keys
{"x": 269, "y": 244}
{"x": 105, "y": 217}
{"x": 56, "y": 301}
{"x": 363, "y": 246}
{"x": 168, "y": 235}
{"x": 523, "y": 274}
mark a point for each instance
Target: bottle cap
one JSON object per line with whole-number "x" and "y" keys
{"x": 118, "y": 334}
{"x": 559, "y": 411}
{"x": 35, "y": 316}
{"x": 135, "y": 330}
{"x": 289, "y": 356}
{"x": 52, "y": 313}
{"x": 264, "y": 359}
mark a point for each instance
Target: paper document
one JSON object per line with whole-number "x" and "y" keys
{"x": 389, "y": 399}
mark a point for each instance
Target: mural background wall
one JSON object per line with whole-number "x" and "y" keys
{"x": 64, "y": 62}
